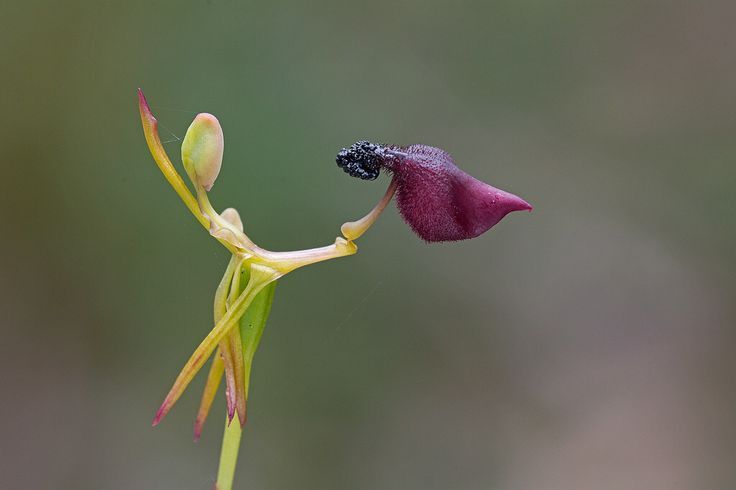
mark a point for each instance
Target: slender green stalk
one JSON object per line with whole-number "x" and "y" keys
{"x": 229, "y": 455}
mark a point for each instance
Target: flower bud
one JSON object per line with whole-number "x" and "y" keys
{"x": 201, "y": 150}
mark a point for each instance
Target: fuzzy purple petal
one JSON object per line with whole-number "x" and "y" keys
{"x": 442, "y": 203}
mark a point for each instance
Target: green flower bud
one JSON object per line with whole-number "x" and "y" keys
{"x": 201, "y": 150}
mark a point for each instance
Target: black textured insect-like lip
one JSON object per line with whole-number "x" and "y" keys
{"x": 362, "y": 159}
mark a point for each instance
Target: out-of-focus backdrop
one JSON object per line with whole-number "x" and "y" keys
{"x": 587, "y": 345}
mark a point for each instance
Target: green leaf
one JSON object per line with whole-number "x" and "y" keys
{"x": 252, "y": 324}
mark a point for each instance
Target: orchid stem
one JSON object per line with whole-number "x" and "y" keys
{"x": 229, "y": 455}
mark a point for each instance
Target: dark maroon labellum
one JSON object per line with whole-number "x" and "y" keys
{"x": 438, "y": 201}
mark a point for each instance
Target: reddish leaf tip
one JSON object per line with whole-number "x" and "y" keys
{"x": 161, "y": 413}
{"x": 198, "y": 426}
{"x": 242, "y": 418}
{"x": 142, "y": 100}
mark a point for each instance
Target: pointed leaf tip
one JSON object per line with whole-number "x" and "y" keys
{"x": 160, "y": 413}
{"x": 143, "y": 106}
{"x": 210, "y": 390}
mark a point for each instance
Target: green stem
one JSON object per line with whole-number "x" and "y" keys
{"x": 229, "y": 455}
{"x": 251, "y": 327}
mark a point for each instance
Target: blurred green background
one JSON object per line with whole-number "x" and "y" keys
{"x": 587, "y": 345}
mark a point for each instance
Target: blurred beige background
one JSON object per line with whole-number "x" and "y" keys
{"x": 587, "y": 345}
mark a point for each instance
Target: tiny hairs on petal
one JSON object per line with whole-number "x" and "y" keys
{"x": 438, "y": 200}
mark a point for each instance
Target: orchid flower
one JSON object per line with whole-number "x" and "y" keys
{"x": 439, "y": 201}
